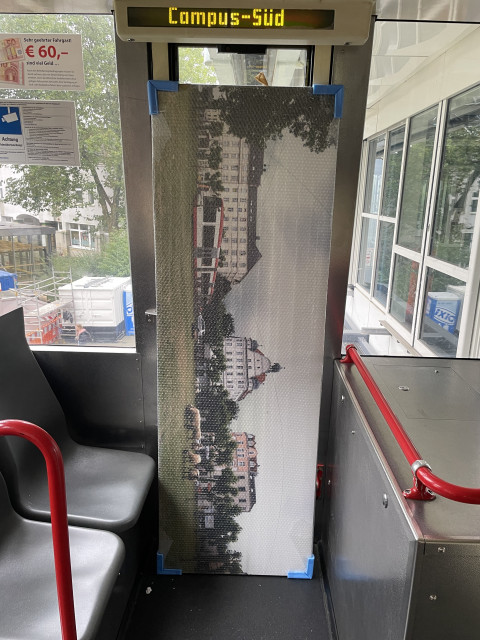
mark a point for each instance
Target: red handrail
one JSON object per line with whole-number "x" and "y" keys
{"x": 425, "y": 482}
{"x": 58, "y": 508}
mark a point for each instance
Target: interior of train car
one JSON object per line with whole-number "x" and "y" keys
{"x": 239, "y": 320}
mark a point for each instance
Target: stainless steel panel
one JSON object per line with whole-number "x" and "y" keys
{"x": 445, "y": 576}
{"x": 351, "y": 67}
{"x": 451, "y": 446}
{"x": 434, "y": 391}
{"x": 132, "y": 59}
{"x": 445, "y": 603}
{"x": 371, "y": 547}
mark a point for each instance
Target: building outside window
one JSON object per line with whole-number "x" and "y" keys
{"x": 417, "y": 232}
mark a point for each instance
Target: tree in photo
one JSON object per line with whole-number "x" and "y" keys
{"x": 309, "y": 119}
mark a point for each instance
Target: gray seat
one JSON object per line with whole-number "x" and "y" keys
{"x": 106, "y": 489}
{"x": 28, "y": 602}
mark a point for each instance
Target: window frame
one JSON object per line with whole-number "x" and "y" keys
{"x": 468, "y": 339}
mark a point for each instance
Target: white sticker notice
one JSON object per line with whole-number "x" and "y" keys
{"x": 38, "y": 132}
{"x": 43, "y": 61}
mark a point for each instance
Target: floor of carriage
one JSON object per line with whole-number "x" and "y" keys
{"x": 206, "y": 607}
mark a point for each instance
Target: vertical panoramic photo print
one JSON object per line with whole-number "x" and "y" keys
{"x": 244, "y": 181}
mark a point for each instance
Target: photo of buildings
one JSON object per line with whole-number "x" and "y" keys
{"x": 235, "y": 343}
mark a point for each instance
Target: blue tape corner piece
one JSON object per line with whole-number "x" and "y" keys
{"x": 300, "y": 575}
{"x": 331, "y": 90}
{"x": 166, "y": 572}
{"x": 153, "y": 87}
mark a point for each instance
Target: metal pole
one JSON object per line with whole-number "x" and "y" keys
{"x": 58, "y": 507}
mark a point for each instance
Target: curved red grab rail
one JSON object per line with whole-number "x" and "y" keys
{"x": 425, "y": 482}
{"x": 58, "y": 507}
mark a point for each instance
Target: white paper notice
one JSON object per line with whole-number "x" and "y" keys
{"x": 43, "y": 61}
{"x": 38, "y": 132}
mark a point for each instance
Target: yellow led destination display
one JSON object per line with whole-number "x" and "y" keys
{"x": 230, "y": 18}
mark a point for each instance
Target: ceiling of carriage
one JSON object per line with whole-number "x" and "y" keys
{"x": 444, "y": 10}
{"x": 408, "y": 33}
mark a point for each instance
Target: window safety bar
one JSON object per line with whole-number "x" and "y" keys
{"x": 425, "y": 483}
{"x": 58, "y": 507}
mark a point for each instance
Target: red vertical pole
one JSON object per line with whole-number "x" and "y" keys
{"x": 58, "y": 507}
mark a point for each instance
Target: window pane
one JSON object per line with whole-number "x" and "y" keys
{"x": 392, "y": 172}
{"x": 417, "y": 176}
{"x": 367, "y": 245}
{"x": 459, "y": 181}
{"x": 442, "y": 313}
{"x": 282, "y": 67}
{"x": 79, "y": 211}
{"x": 384, "y": 256}
{"x": 404, "y": 290}
{"x": 373, "y": 185}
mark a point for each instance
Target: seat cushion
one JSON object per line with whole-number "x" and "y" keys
{"x": 106, "y": 489}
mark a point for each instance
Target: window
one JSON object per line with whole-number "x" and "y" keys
{"x": 457, "y": 200}
{"x": 384, "y": 257}
{"x": 374, "y": 175}
{"x": 442, "y": 313}
{"x": 367, "y": 247}
{"x": 80, "y": 212}
{"x": 81, "y": 235}
{"x": 392, "y": 172}
{"x": 404, "y": 290}
{"x": 200, "y": 65}
{"x": 417, "y": 177}
{"x": 417, "y": 249}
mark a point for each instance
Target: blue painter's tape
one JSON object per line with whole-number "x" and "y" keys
{"x": 331, "y": 90}
{"x": 153, "y": 87}
{"x": 165, "y": 572}
{"x": 300, "y": 575}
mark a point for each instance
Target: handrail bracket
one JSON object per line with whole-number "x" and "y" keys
{"x": 419, "y": 491}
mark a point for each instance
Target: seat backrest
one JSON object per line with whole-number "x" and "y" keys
{"x": 8, "y": 517}
{"x": 25, "y": 394}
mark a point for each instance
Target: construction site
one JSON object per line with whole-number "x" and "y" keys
{"x": 55, "y": 307}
